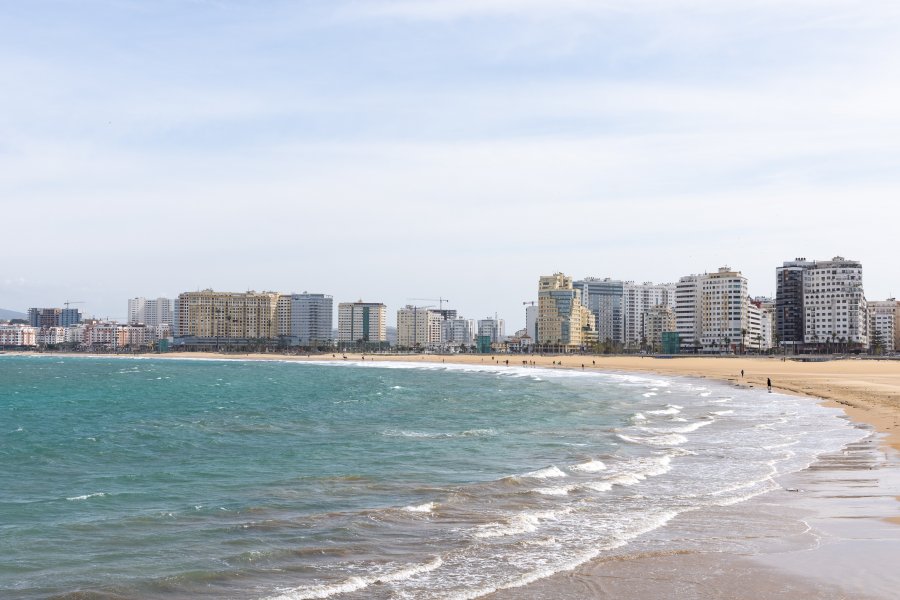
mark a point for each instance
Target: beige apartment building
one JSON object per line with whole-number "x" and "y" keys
{"x": 228, "y": 315}
{"x": 657, "y": 320}
{"x": 418, "y": 327}
{"x": 562, "y": 319}
{"x": 362, "y": 322}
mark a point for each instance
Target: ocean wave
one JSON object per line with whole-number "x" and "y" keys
{"x": 526, "y": 522}
{"x": 591, "y": 466}
{"x": 354, "y": 584}
{"x": 670, "y": 409}
{"x": 561, "y": 490}
{"x": 721, "y": 412}
{"x": 421, "y": 508}
{"x": 439, "y": 434}
{"x": 86, "y": 496}
{"x": 684, "y": 429}
{"x": 670, "y": 439}
{"x": 546, "y": 473}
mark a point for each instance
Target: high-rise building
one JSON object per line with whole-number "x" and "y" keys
{"x": 712, "y": 311}
{"x": 562, "y": 319}
{"x": 150, "y": 311}
{"x": 360, "y": 321}
{"x": 418, "y": 327}
{"x": 724, "y": 306}
{"x": 637, "y": 298}
{"x": 492, "y": 328}
{"x": 229, "y": 317}
{"x": 884, "y": 326}
{"x": 312, "y": 319}
{"x": 43, "y": 317}
{"x": 687, "y": 304}
{"x": 457, "y": 332}
{"x": 834, "y": 303}
{"x": 657, "y": 320}
{"x": 531, "y": 318}
{"x": 789, "y": 313}
{"x": 605, "y": 298}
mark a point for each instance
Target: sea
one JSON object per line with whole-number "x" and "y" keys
{"x": 179, "y": 478}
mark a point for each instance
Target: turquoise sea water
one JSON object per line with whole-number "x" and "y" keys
{"x": 142, "y": 478}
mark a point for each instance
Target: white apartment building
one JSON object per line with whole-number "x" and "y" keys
{"x": 52, "y": 336}
{"x": 150, "y": 311}
{"x": 637, "y": 299}
{"x": 18, "y": 335}
{"x": 495, "y": 329}
{"x": 712, "y": 311}
{"x": 418, "y": 327}
{"x": 531, "y": 317}
{"x": 687, "y": 304}
{"x": 362, "y": 322}
{"x": 724, "y": 310}
{"x": 834, "y": 303}
{"x": 884, "y": 325}
{"x": 458, "y": 332}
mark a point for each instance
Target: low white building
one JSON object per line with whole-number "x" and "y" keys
{"x": 18, "y": 336}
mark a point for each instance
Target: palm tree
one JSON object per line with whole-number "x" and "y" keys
{"x": 743, "y": 335}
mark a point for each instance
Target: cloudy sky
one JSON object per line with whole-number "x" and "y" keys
{"x": 391, "y": 149}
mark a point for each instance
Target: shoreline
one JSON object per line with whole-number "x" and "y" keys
{"x": 867, "y": 391}
{"x": 816, "y": 534}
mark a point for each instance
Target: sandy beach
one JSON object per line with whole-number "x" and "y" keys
{"x": 831, "y": 531}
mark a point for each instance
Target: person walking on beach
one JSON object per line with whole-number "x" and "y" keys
{"x": 769, "y": 384}
{"x": 742, "y": 373}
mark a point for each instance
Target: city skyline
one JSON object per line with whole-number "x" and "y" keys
{"x": 390, "y": 150}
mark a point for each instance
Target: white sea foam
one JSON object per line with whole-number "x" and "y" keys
{"x": 784, "y": 445}
{"x": 599, "y": 486}
{"x": 421, "y": 508}
{"x": 649, "y": 394}
{"x": 638, "y": 417}
{"x": 525, "y": 522}
{"x": 591, "y": 466}
{"x": 721, "y": 412}
{"x": 354, "y": 584}
{"x": 670, "y": 409}
{"x": 670, "y": 439}
{"x": 86, "y": 496}
{"x": 562, "y": 490}
{"x": 479, "y": 432}
{"x": 547, "y": 473}
{"x": 683, "y": 429}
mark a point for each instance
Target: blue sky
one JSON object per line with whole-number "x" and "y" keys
{"x": 393, "y": 149}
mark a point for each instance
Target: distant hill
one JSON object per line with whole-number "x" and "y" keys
{"x": 6, "y": 315}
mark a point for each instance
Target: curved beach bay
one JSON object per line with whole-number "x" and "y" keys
{"x": 189, "y": 478}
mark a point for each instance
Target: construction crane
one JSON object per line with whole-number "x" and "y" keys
{"x": 531, "y": 302}
{"x": 440, "y": 301}
{"x": 68, "y": 302}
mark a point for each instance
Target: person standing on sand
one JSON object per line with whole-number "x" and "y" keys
{"x": 769, "y": 384}
{"x": 742, "y": 373}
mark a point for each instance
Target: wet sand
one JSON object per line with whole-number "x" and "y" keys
{"x": 830, "y": 532}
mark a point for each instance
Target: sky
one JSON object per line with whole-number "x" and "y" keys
{"x": 393, "y": 149}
